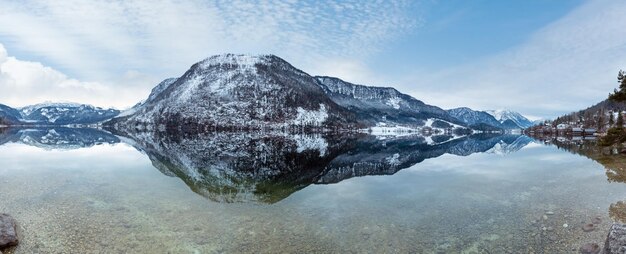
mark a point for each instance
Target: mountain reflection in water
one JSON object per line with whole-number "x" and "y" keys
{"x": 269, "y": 167}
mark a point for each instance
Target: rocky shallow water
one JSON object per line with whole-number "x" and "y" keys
{"x": 111, "y": 199}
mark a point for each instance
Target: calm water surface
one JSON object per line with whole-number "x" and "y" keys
{"x": 86, "y": 191}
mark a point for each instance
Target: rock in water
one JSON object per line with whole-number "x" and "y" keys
{"x": 596, "y": 220}
{"x": 616, "y": 239}
{"x": 588, "y": 227}
{"x": 590, "y": 248}
{"x": 8, "y": 232}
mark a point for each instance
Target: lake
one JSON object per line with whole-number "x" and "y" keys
{"x": 89, "y": 191}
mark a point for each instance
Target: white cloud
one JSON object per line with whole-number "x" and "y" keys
{"x": 103, "y": 40}
{"x": 32, "y": 82}
{"x": 3, "y": 54}
{"x": 568, "y": 65}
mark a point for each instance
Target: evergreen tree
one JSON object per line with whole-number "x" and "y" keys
{"x": 617, "y": 133}
{"x": 619, "y": 95}
{"x": 611, "y": 119}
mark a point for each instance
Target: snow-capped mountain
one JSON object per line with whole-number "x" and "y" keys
{"x": 265, "y": 92}
{"x": 238, "y": 92}
{"x": 376, "y": 105}
{"x": 502, "y": 115}
{"x": 55, "y": 114}
{"x": 65, "y": 113}
{"x": 475, "y": 119}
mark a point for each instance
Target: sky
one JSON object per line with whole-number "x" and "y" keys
{"x": 542, "y": 58}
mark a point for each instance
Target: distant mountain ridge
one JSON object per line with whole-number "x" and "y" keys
{"x": 55, "y": 114}
{"x": 381, "y": 104}
{"x": 516, "y": 118}
{"x": 479, "y": 120}
{"x": 491, "y": 119}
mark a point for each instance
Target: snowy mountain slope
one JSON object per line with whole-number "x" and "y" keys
{"x": 9, "y": 115}
{"x": 473, "y": 117}
{"x": 65, "y": 113}
{"x": 239, "y": 92}
{"x": 156, "y": 91}
{"x": 376, "y": 105}
{"x": 502, "y": 115}
{"x": 538, "y": 122}
{"x": 510, "y": 124}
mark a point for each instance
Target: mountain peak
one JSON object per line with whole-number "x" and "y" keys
{"x": 239, "y": 91}
{"x": 242, "y": 60}
{"x": 461, "y": 109}
{"x": 503, "y": 115}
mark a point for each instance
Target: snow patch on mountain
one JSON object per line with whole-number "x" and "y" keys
{"x": 431, "y": 121}
{"x": 311, "y": 117}
{"x": 244, "y": 62}
{"x": 394, "y": 102}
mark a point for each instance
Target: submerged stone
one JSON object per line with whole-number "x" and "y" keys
{"x": 590, "y": 248}
{"x": 588, "y": 227}
{"x": 8, "y": 232}
{"x": 596, "y": 220}
{"x": 616, "y": 239}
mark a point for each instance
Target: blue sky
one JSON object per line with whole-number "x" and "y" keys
{"x": 455, "y": 32}
{"x": 541, "y": 58}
